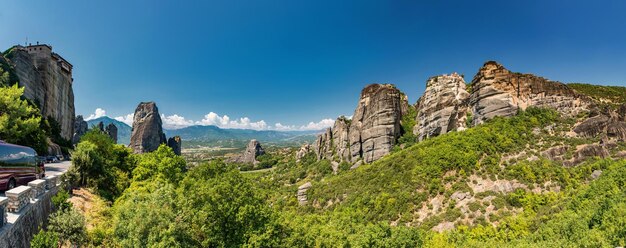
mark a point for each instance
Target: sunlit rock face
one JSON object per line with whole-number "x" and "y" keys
{"x": 372, "y": 131}
{"x": 607, "y": 123}
{"x": 497, "y": 91}
{"x": 375, "y": 125}
{"x": 253, "y": 150}
{"x": 47, "y": 81}
{"x": 443, "y": 107}
{"x": 147, "y": 132}
{"x": 80, "y": 128}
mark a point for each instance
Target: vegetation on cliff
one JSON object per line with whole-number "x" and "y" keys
{"x": 158, "y": 200}
{"x": 20, "y": 121}
{"x": 607, "y": 94}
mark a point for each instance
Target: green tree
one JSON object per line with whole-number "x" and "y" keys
{"x": 20, "y": 121}
{"x": 45, "y": 239}
{"x": 69, "y": 225}
{"x": 102, "y": 165}
{"x": 162, "y": 164}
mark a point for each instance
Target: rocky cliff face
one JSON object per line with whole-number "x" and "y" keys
{"x": 111, "y": 130}
{"x": 80, "y": 128}
{"x": 497, "y": 91}
{"x": 147, "y": 133}
{"x": 253, "y": 150}
{"x": 176, "y": 144}
{"x": 443, "y": 107}
{"x": 304, "y": 150}
{"x": 373, "y": 130}
{"x": 375, "y": 125}
{"x": 607, "y": 123}
{"x": 334, "y": 143}
{"x": 47, "y": 79}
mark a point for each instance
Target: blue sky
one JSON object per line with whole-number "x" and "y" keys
{"x": 295, "y": 62}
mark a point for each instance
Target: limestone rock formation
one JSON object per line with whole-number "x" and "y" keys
{"x": 301, "y": 194}
{"x": 111, "y": 130}
{"x": 607, "y": 122}
{"x": 322, "y": 146}
{"x": 497, "y": 91}
{"x": 80, "y": 128}
{"x": 175, "y": 143}
{"x": 100, "y": 126}
{"x": 147, "y": 133}
{"x": 304, "y": 150}
{"x": 375, "y": 125}
{"x": 47, "y": 80}
{"x": 334, "y": 143}
{"x": 443, "y": 107}
{"x": 53, "y": 149}
{"x": 253, "y": 150}
{"x": 373, "y": 130}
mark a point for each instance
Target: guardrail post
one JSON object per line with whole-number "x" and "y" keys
{"x": 37, "y": 188}
{"x": 18, "y": 198}
{"x": 51, "y": 182}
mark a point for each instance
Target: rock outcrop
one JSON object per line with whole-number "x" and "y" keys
{"x": 304, "y": 150}
{"x": 443, "y": 107}
{"x": 372, "y": 132}
{"x": 253, "y": 150}
{"x": 176, "y": 144}
{"x": 80, "y": 128}
{"x": 334, "y": 143}
{"x": 497, "y": 91}
{"x": 607, "y": 122}
{"x": 111, "y": 130}
{"x": 301, "y": 194}
{"x": 53, "y": 149}
{"x": 147, "y": 133}
{"x": 47, "y": 81}
{"x": 375, "y": 125}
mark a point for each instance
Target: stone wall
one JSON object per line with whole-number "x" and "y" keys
{"x": 22, "y": 225}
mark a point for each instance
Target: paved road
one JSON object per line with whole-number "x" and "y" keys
{"x": 53, "y": 169}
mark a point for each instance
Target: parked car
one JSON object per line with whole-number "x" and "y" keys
{"x": 18, "y": 165}
{"x": 52, "y": 159}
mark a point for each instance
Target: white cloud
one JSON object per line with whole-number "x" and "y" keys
{"x": 214, "y": 119}
{"x": 97, "y": 114}
{"x": 312, "y": 126}
{"x": 175, "y": 122}
{"x": 128, "y": 119}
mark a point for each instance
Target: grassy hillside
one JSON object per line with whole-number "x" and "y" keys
{"x": 401, "y": 190}
{"x": 606, "y": 94}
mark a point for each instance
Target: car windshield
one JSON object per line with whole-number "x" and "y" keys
{"x": 15, "y": 154}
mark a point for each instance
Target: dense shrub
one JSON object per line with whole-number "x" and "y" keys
{"x": 20, "y": 121}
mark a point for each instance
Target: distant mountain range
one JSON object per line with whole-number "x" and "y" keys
{"x": 123, "y": 129}
{"x": 213, "y": 136}
{"x": 198, "y": 136}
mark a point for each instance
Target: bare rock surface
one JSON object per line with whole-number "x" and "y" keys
{"x": 443, "y": 107}
{"x": 147, "y": 133}
{"x": 304, "y": 150}
{"x": 607, "y": 122}
{"x": 47, "y": 80}
{"x": 80, "y": 128}
{"x": 478, "y": 185}
{"x": 375, "y": 125}
{"x": 176, "y": 144}
{"x": 301, "y": 194}
{"x": 372, "y": 131}
{"x": 111, "y": 130}
{"x": 496, "y": 91}
{"x": 253, "y": 150}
